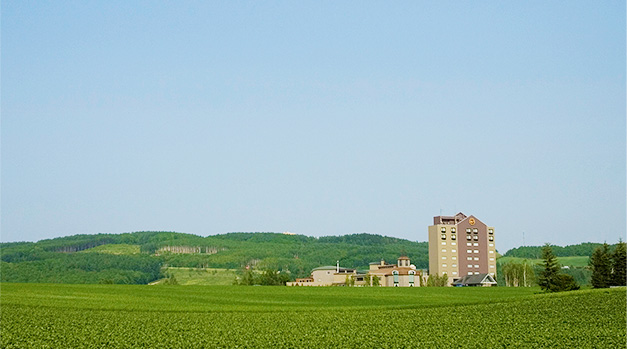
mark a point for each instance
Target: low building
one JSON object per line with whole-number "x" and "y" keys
{"x": 481, "y": 280}
{"x": 401, "y": 274}
{"x": 330, "y": 276}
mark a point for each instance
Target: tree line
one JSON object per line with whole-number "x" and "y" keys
{"x": 608, "y": 266}
{"x": 608, "y": 269}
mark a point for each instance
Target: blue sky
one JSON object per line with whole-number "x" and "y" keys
{"x": 319, "y": 118}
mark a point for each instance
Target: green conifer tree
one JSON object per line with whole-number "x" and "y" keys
{"x": 551, "y": 269}
{"x": 601, "y": 267}
{"x": 619, "y": 264}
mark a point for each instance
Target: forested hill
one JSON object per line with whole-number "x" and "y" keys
{"x": 138, "y": 257}
{"x": 534, "y": 252}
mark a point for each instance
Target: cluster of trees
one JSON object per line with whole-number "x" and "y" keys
{"x": 518, "y": 274}
{"x": 83, "y": 268}
{"x": 436, "y": 281}
{"x": 551, "y": 279}
{"x": 608, "y": 266}
{"x": 267, "y": 277}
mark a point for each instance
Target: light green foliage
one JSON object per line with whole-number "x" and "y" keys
{"x": 35, "y": 315}
{"x": 518, "y": 274}
{"x": 267, "y": 277}
{"x": 434, "y": 280}
{"x": 200, "y": 276}
{"x": 571, "y": 261}
{"x": 371, "y": 280}
{"x": 114, "y": 249}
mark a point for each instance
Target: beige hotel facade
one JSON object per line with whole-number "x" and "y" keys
{"x": 461, "y": 245}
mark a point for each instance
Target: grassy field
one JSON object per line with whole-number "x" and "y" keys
{"x": 574, "y": 261}
{"x": 114, "y": 249}
{"x": 201, "y": 276}
{"x": 39, "y": 315}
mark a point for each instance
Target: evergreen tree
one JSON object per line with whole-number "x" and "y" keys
{"x": 601, "y": 267}
{"x": 619, "y": 264}
{"x": 564, "y": 282}
{"x": 443, "y": 280}
{"x": 551, "y": 269}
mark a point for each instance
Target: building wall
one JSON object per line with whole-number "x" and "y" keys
{"x": 461, "y": 256}
{"x": 323, "y": 277}
{"x": 444, "y": 253}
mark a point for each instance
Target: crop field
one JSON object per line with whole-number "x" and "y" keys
{"x": 47, "y": 315}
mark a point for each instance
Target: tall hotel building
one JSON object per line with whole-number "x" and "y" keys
{"x": 461, "y": 245}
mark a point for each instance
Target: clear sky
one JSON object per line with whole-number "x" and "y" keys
{"x": 319, "y": 118}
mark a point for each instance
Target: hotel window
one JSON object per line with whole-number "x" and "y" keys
{"x": 453, "y": 250}
{"x": 468, "y": 230}
{"x": 476, "y": 251}
{"x": 453, "y": 243}
{"x": 491, "y": 238}
{"x": 443, "y": 250}
{"x": 443, "y": 230}
{"x": 468, "y": 251}
{"x": 492, "y": 274}
{"x": 476, "y": 244}
{"x": 443, "y": 257}
{"x": 454, "y": 273}
{"x": 468, "y": 237}
{"x": 469, "y": 258}
{"x": 443, "y": 236}
{"x": 491, "y": 258}
{"x": 491, "y": 266}
{"x": 490, "y": 231}
{"x": 469, "y": 265}
{"x": 454, "y": 265}
{"x": 476, "y": 265}
{"x": 453, "y": 237}
{"x": 491, "y": 251}
{"x": 476, "y": 238}
{"x": 476, "y": 231}
{"x": 444, "y": 243}
{"x": 443, "y": 265}
{"x": 469, "y": 244}
{"x": 491, "y": 245}
{"x": 476, "y": 258}
{"x": 476, "y": 272}
{"x": 453, "y": 258}
{"x": 470, "y": 273}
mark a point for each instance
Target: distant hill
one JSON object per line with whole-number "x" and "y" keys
{"x": 138, "y": 257}
{"x": 141, "y": 257}
{"x": 535, "y": 252}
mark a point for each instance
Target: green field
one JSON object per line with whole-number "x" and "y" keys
{"x": 201, "y": 276}
{"x": 114, "y": 249}
{"x": 573, "y": 261}
{"x": 47, "y": 315}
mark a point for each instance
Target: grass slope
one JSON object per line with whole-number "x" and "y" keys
{"x": 114, "y": 249}
{"x": 37, "y": 315}
{"x": 201, "y": 276}
{"x": 572, "y": 261}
